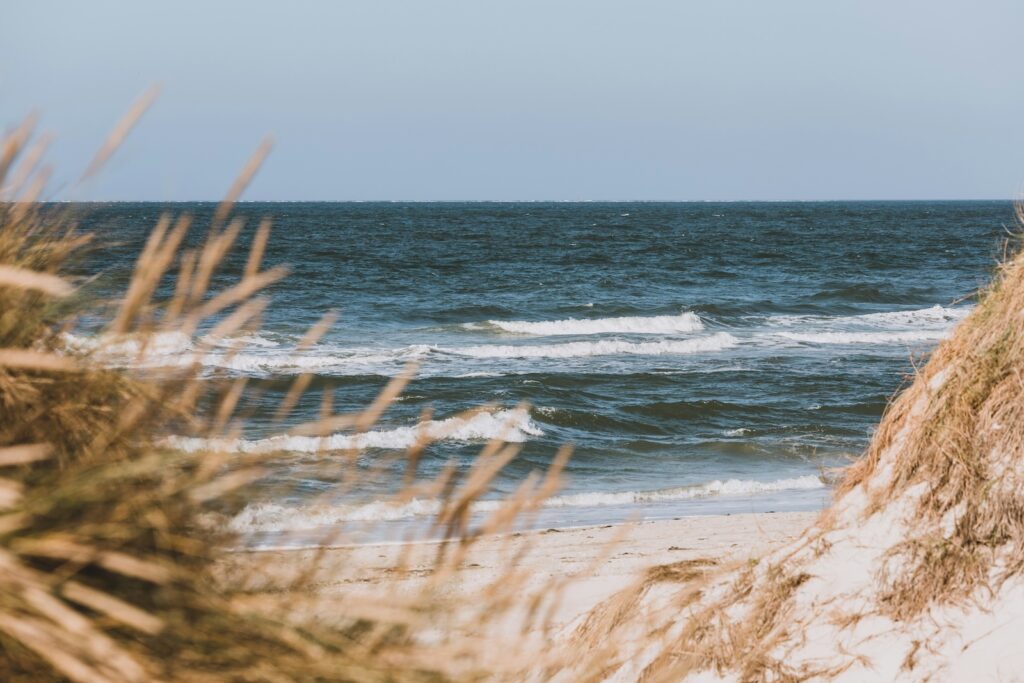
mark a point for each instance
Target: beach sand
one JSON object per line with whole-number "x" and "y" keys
{"x": 601, "y": 560}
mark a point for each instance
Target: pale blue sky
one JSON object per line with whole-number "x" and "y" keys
{"x": 474, "y": 99}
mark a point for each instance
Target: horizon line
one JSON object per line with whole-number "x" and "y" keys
{"x": 522, "y": 201}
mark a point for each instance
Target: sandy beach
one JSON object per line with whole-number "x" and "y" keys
{"x": 601, "y": 559}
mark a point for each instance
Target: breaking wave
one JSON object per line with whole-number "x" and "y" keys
{"x": 905, "y": 337}
{"x": 934, "y": 315}
{"x": 509, "y": 425}
{"x": 163, "y": 348}
{"x": 260, "y": 355}
{"x": 171, "y": 351}
{"x": 714, "y": 342}
{"x": 661, "y": 324}
{"x": 893, "y": 327}
{"x": 273, "y": 517}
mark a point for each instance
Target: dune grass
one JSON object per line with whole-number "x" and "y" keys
{"x": 107, "y": 551}
{"x": 960, "y": 428}
{"x": 944, "y": 469}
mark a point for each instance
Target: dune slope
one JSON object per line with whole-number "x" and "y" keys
{"x": 914, "y": 573}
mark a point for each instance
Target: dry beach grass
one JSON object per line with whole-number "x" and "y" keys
{"x": 114, "y": 561}
{"x": 107, "y": 548}
{"x": 913, "y": 573}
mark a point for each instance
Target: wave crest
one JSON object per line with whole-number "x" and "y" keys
{"x": 509, "y": 425}
{"x": 905, "y": 337}
{"x": 714, "y": 342}
{"x": 934, "y": 315}
{"x": 273, "y": 517}
{"x": 661, "y": 324}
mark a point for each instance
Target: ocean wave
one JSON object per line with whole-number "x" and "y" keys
{"x": 274, "y": 517}
{"x": 129, "y": 347}
{"x": 661, "y": 324}
{"x": 260, "y": 355}
{"x": 509, "y": 425}
{"x": 270, "y": 517}
{"x": 934, "y": 315}
{"x": 350, "y": 361}
{"x": 161, "y": 348}
{"x": 904, "y": 337}
{"x": 915, "y": 326}
{"x": 714, "y": 342}
{"x": 252, "y": 354}
{"x": 729, "y": 487}
{"x": 179, "y": 351}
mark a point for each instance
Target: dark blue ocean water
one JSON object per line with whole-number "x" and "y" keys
{"x": 701, "y": 357}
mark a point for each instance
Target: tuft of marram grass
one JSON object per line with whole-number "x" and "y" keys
{"x": 104, "y": 559}
{"x": 960, "y": 427}
{"x": 108, "y": 565}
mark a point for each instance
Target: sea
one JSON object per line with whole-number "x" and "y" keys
{"x": 701, "y": 358}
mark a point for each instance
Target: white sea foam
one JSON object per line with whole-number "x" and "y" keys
{"x": 904, "y": 337}
{"x": 347, "y": 361}
{"x": 661, "y": 324}
{"x": 922, "y": 317}
{"x": 510, "y": 425}
{"x": 249, "y": 340}
{"x": 161, "y": 348}
{"x": 935, "y": 314}
{"x": 275, "y": 517}
{"x": 730, "y": 487}
{"x": 178, "y": 351}
{"x": 127, "y": 348}
{"x": 714, "y": 342}
{"x": 892, "y": 327}
{"x": 258, "y": 355}
{"x": 265, "y": 517}
{"x": 252, "y": 354}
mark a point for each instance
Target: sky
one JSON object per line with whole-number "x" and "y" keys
{"x": 527, "y": 99}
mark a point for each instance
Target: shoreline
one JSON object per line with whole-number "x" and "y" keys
{"x": 421, "y": 530}
{"x": 532, "y": 530}
{"x": 604, "y": 559}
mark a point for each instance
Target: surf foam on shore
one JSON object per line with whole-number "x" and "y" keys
{"x": 274, "y": 517}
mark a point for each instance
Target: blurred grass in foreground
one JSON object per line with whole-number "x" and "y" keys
{"x": 107, "y": 551}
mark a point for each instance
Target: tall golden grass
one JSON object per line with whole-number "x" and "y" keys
{"x": 108, "y": 559}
